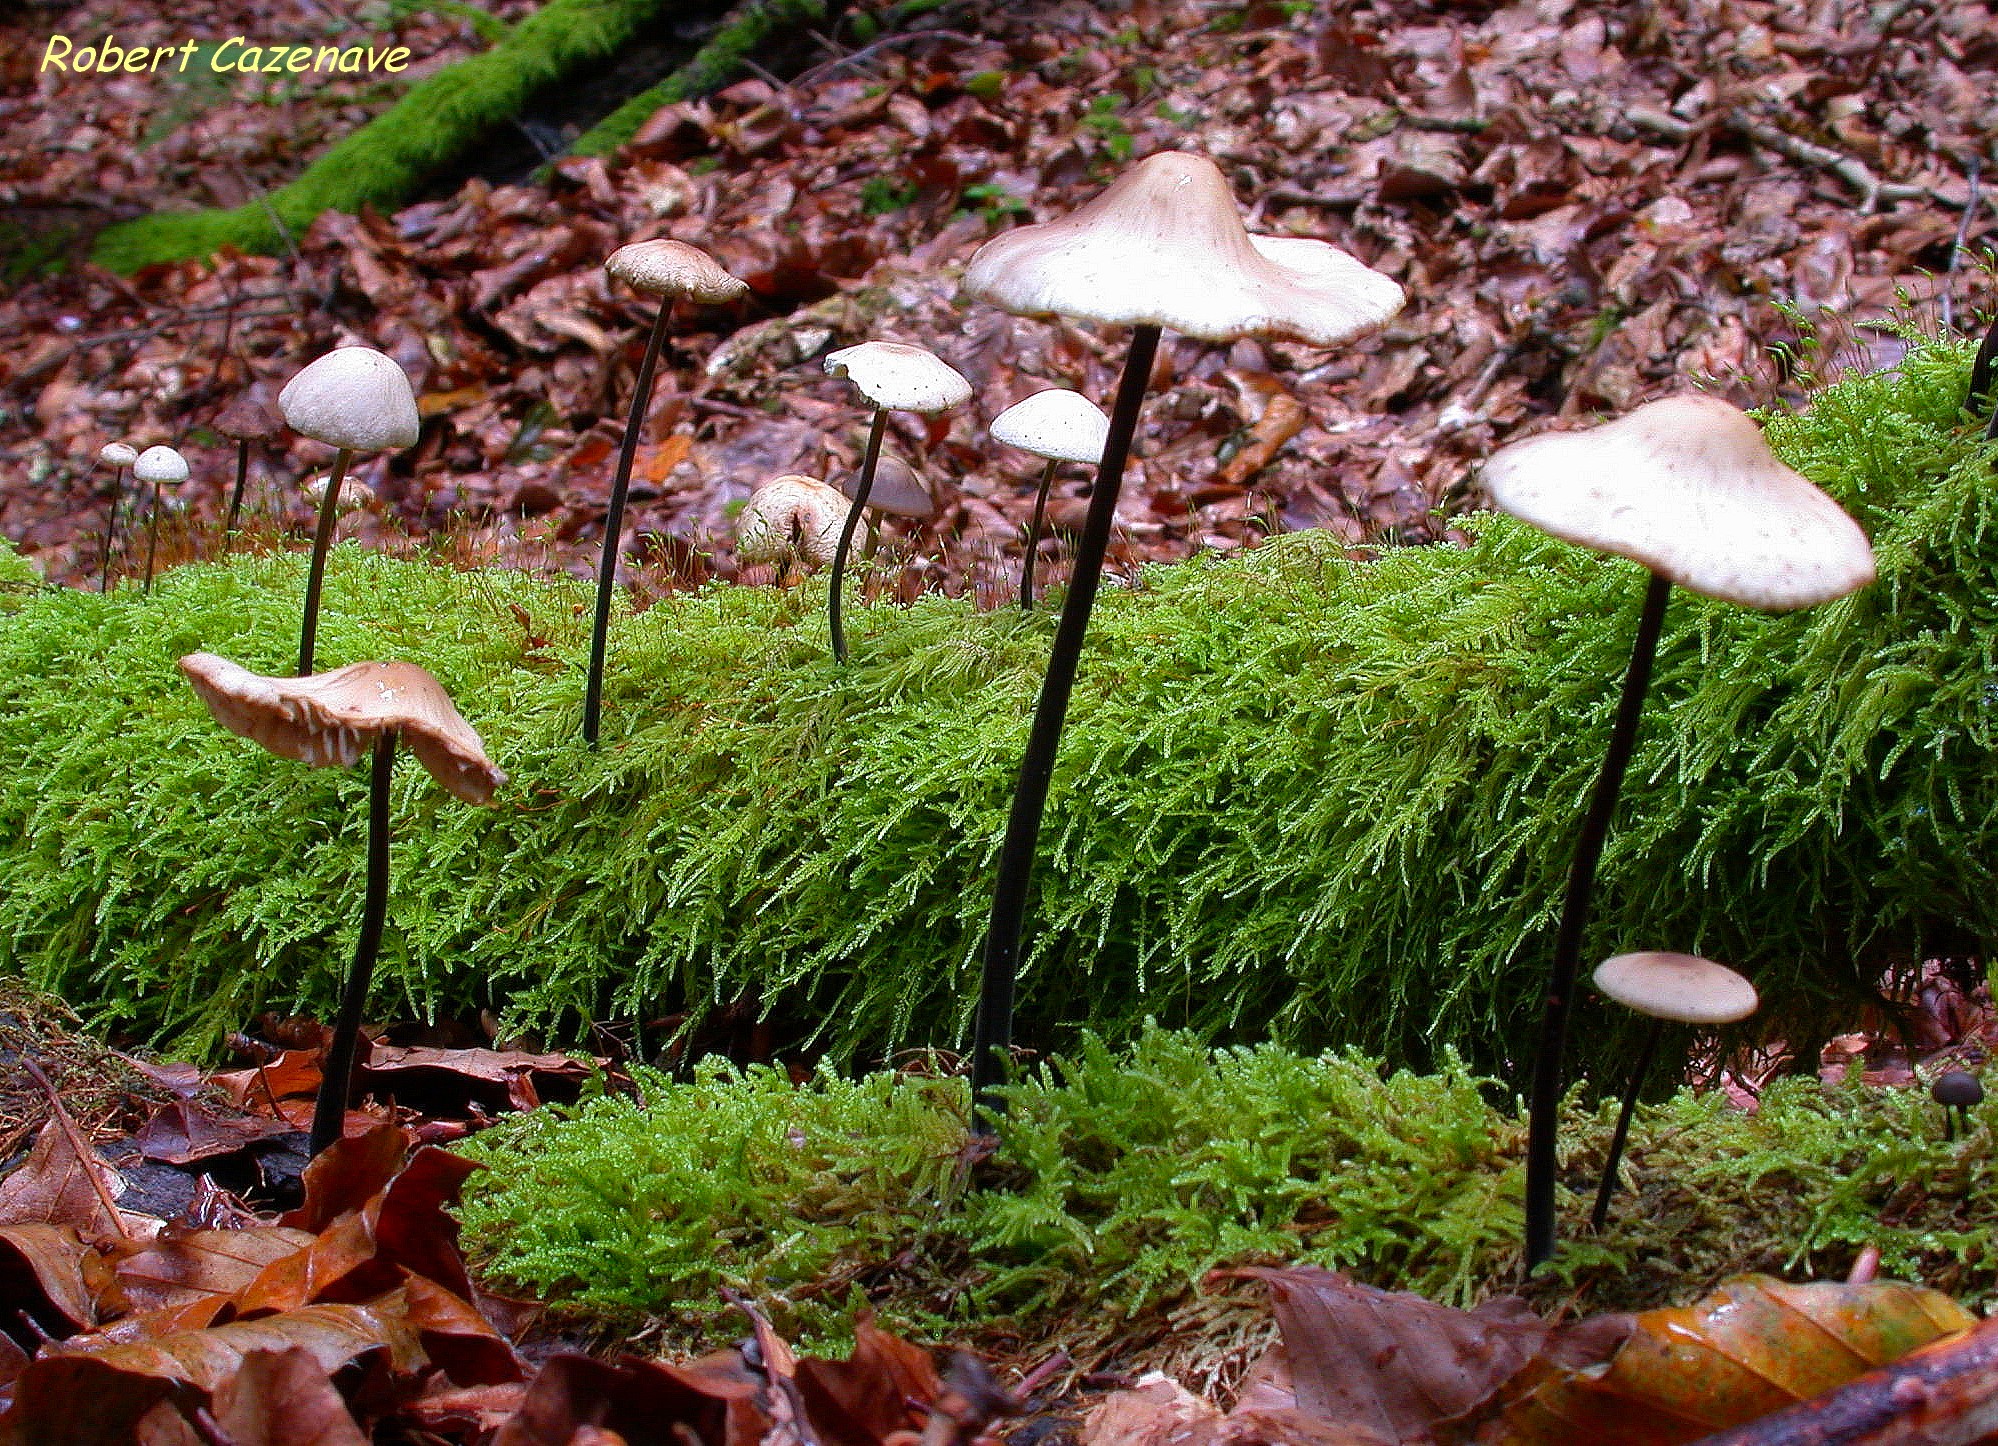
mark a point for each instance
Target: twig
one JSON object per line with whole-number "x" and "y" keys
{"x": 1971, "y": 171}
{"x": 866, "y": 52}
{"x": 1850, "y": 169}
{"x": 85, "y": 1155}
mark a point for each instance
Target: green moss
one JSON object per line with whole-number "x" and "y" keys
{"x": 19, "y": 577}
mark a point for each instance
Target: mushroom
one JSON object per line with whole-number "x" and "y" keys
{"x": 895, "y": 378}
{"x": 898, "y": 491}
{"x": 328, "y": 720}
{"x": 247, "y": 419}
{"x": 667, "y": 270}
{"x": 1681, "y": 987}
{"x": 354, "y": 399}
{"x": 1062, "y": 426}
{"x": 790, "y": 518}
{"x": 1162, "y": 246}
{"x": 120, "y": 455}
{"x": 161, "y": 466}
{"x": 1956, "y": 1090}
{"x": 354, "y": 493}
{"x": 1688, "y": 487}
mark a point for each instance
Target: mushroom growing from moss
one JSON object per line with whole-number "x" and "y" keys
{"x": 790, "y": 519}
{"x": 1688, "y": 487}
{"x": 1662, "y": 986}
{"x": 1162, "y": 246}
{"x": 896, "y": 378}
{"x": 667, "y": 270}
{"x": 163, "y": 467}
{"x": 247, "y": 419}
{"x": 1956, "y": 1090}
{"x": 328, "y": 721}
{"x": 120, "y": 455}
{"x": 1061, "y": 426}
{"x": 354, "y": 399}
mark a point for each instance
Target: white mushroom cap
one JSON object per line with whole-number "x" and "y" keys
{"x": 160, "y": 464}
{"x": 118, "y": 454}
{"x": 897, "y": 489}
{"x": 330, "y": 719}
{"x": 672, "y": 269}
{"x": 1060, "y": 425}
{"x": 1164, "y": 245}
{"x": 1688, "y": 487}
{"x": 900, "y": 378}
{"x": 1683, "y": 987}
{"x": 353, "y": 493}
{"x": 791, "y": 516}
{"x": 353, "y": 397}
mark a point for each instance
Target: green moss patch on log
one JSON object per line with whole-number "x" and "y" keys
{"x": 1301, "y": 798}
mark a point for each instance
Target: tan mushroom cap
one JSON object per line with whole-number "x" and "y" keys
{"x": 353, "y": 493}
{"x": 118, "y": 454}
{"x": 1683, "y": 987}
{"x": 330, "y": 719}
{"x": 1164, "y": 245}
{"x": 1688, "y": 487}
{"x": 900, "y": 378}
{"x": 248, "y": 418}
{"x": 1060, "y": 425}
{"x": 897, "y": 489}
{"x": 160, "y": 464}
{"x": 674, "y": 269}
{"x": 353, "y": 397}
{"x": 789, "y": 516}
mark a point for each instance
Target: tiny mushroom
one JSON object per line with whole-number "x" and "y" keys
{"x": 789, "y": 519}
{"x": 1956, "y": 1090}
{"x": 354, "y": 399}
{"x": 120, "y": 455}
{"x": 898, "y": 491}
{"x": 328, "y": 721}
{"x": 1662, "y": 986}
{"x": 896, "y": 378}
{"x": 1061, "y": 426}
{"x": 667, "y": 270}
{"x": 1688, "y": 487}
{"x": 163, "y": 467}
{"x": 248, "y": 418}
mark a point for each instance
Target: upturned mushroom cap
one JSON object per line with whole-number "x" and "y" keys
{"x": 1060, "y": 425}
{"x": 160, "y": 464}
{"x": 900, "y": 378}
{"x": 673, "y": 269}
{"x": 330, "y": 719}
{"x": 790, "y": 516}
{"x": 248, "y": 418}
{"x": 1683, "y": 987}
{"x": 118, "y": 454}
{"x": 1688, "y": 487}
{"x": 1164, "y": 245}
{"x": 897, "y": 489}
{"x": 353, "y": 397}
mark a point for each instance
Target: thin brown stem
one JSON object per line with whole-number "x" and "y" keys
{"x": 1034, "y": 534}
{"x": 868, "y": 464}
{"x": 315, "y": 579}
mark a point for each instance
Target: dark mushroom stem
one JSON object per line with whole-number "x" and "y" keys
{"x": 322, "y": 540}
{"x": 641, "y": 399}
{"x": 1544, "y": 1111}
{"x": 1034, "y": 534}
{"x": 1599, "y": 1217}
{"x": 152, "y": 535}
{"x": 992, "y": 1029}
{"x": 336, "y": 1084}
{"x": 868, "y": 464}
{"x": 236, "y": 496}
{"x": 111, "y": 528}
{"x": 1981, "y": 368}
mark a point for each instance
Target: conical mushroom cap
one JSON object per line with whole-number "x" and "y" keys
{"x": 1684, "y": 987}
{"x": 790, "y": 516}
{"x": 896, "y": 489}
{"x": 248, "y": 417}
{"x": 1688, "y": 487}
{"x": 900, "y": 378}
{"x": 672, "y": 269}
{"x": 353, "y": 397}
{"x": 160, "y": 464}
{"x": 1164, "y": 245}
{"x": 1060, "y": 425}
{"x": 330, "y": 719}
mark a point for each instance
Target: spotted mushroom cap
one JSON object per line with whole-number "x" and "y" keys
{"x": 791, "y": 516}
{"x": 330, "y": 719}
{"x": 1688, "y": 487}
{"x": 1060, "y": 425}
{"x": 353, "y": 397}
{"x": 118, "y": 454}
{"x": 1683, "y": 987}
{"x": 1164, "y": 245}
{"x": 897, "y": 488}
{"x": 671, "y": 269}
{"x": 160, "y": 464}
{"x": 901, "y": 378}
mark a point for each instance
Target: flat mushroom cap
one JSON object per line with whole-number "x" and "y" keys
{"x": 897, "y": 489}
{"x": 788, "y": 514}
{"x": 1164, "y": 245}
{"x": 118, "y": 454}
{"x": 160, "y": 464}
{"x": 672, "y": 269}
{"x": 353, "y": 397}
{"x": 1683, "y": 987}
{"x": 1060, "y": 425}
{"x": 1688, "y": 487}
{"x": 330, "y": 719}
{"x": 900, "y": 378}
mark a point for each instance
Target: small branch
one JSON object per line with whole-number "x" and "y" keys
{"x": 1971, "y": 173}
{"x": 1850, "y": 169}
{"x": 86, "y": 1158}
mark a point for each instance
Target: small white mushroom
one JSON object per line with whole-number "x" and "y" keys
{"x": 163, "y": 467}
{"x": 790, "y": 518}
{"x": 1061, "y": 426}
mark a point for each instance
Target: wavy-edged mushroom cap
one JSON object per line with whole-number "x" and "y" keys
{"x": 160, "y": 464}
{"x": 353, "y": 493}
{"x": 790, "y": 515}
{"x": 672, "y": 269}
{"x": 330, "y": 719}
{"x": 249, "y": 418}
{"x": 353, "y": 397}
{"x": 897, "y": 489}
{"x": 1688, "y": 487}
{"x": 1060, "y": 425}
{"x": 1164, "y": 245}
{"x": 118, "y": 454}
{"x": 900, "y": 378}
{"x": 1683, "y": 987}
